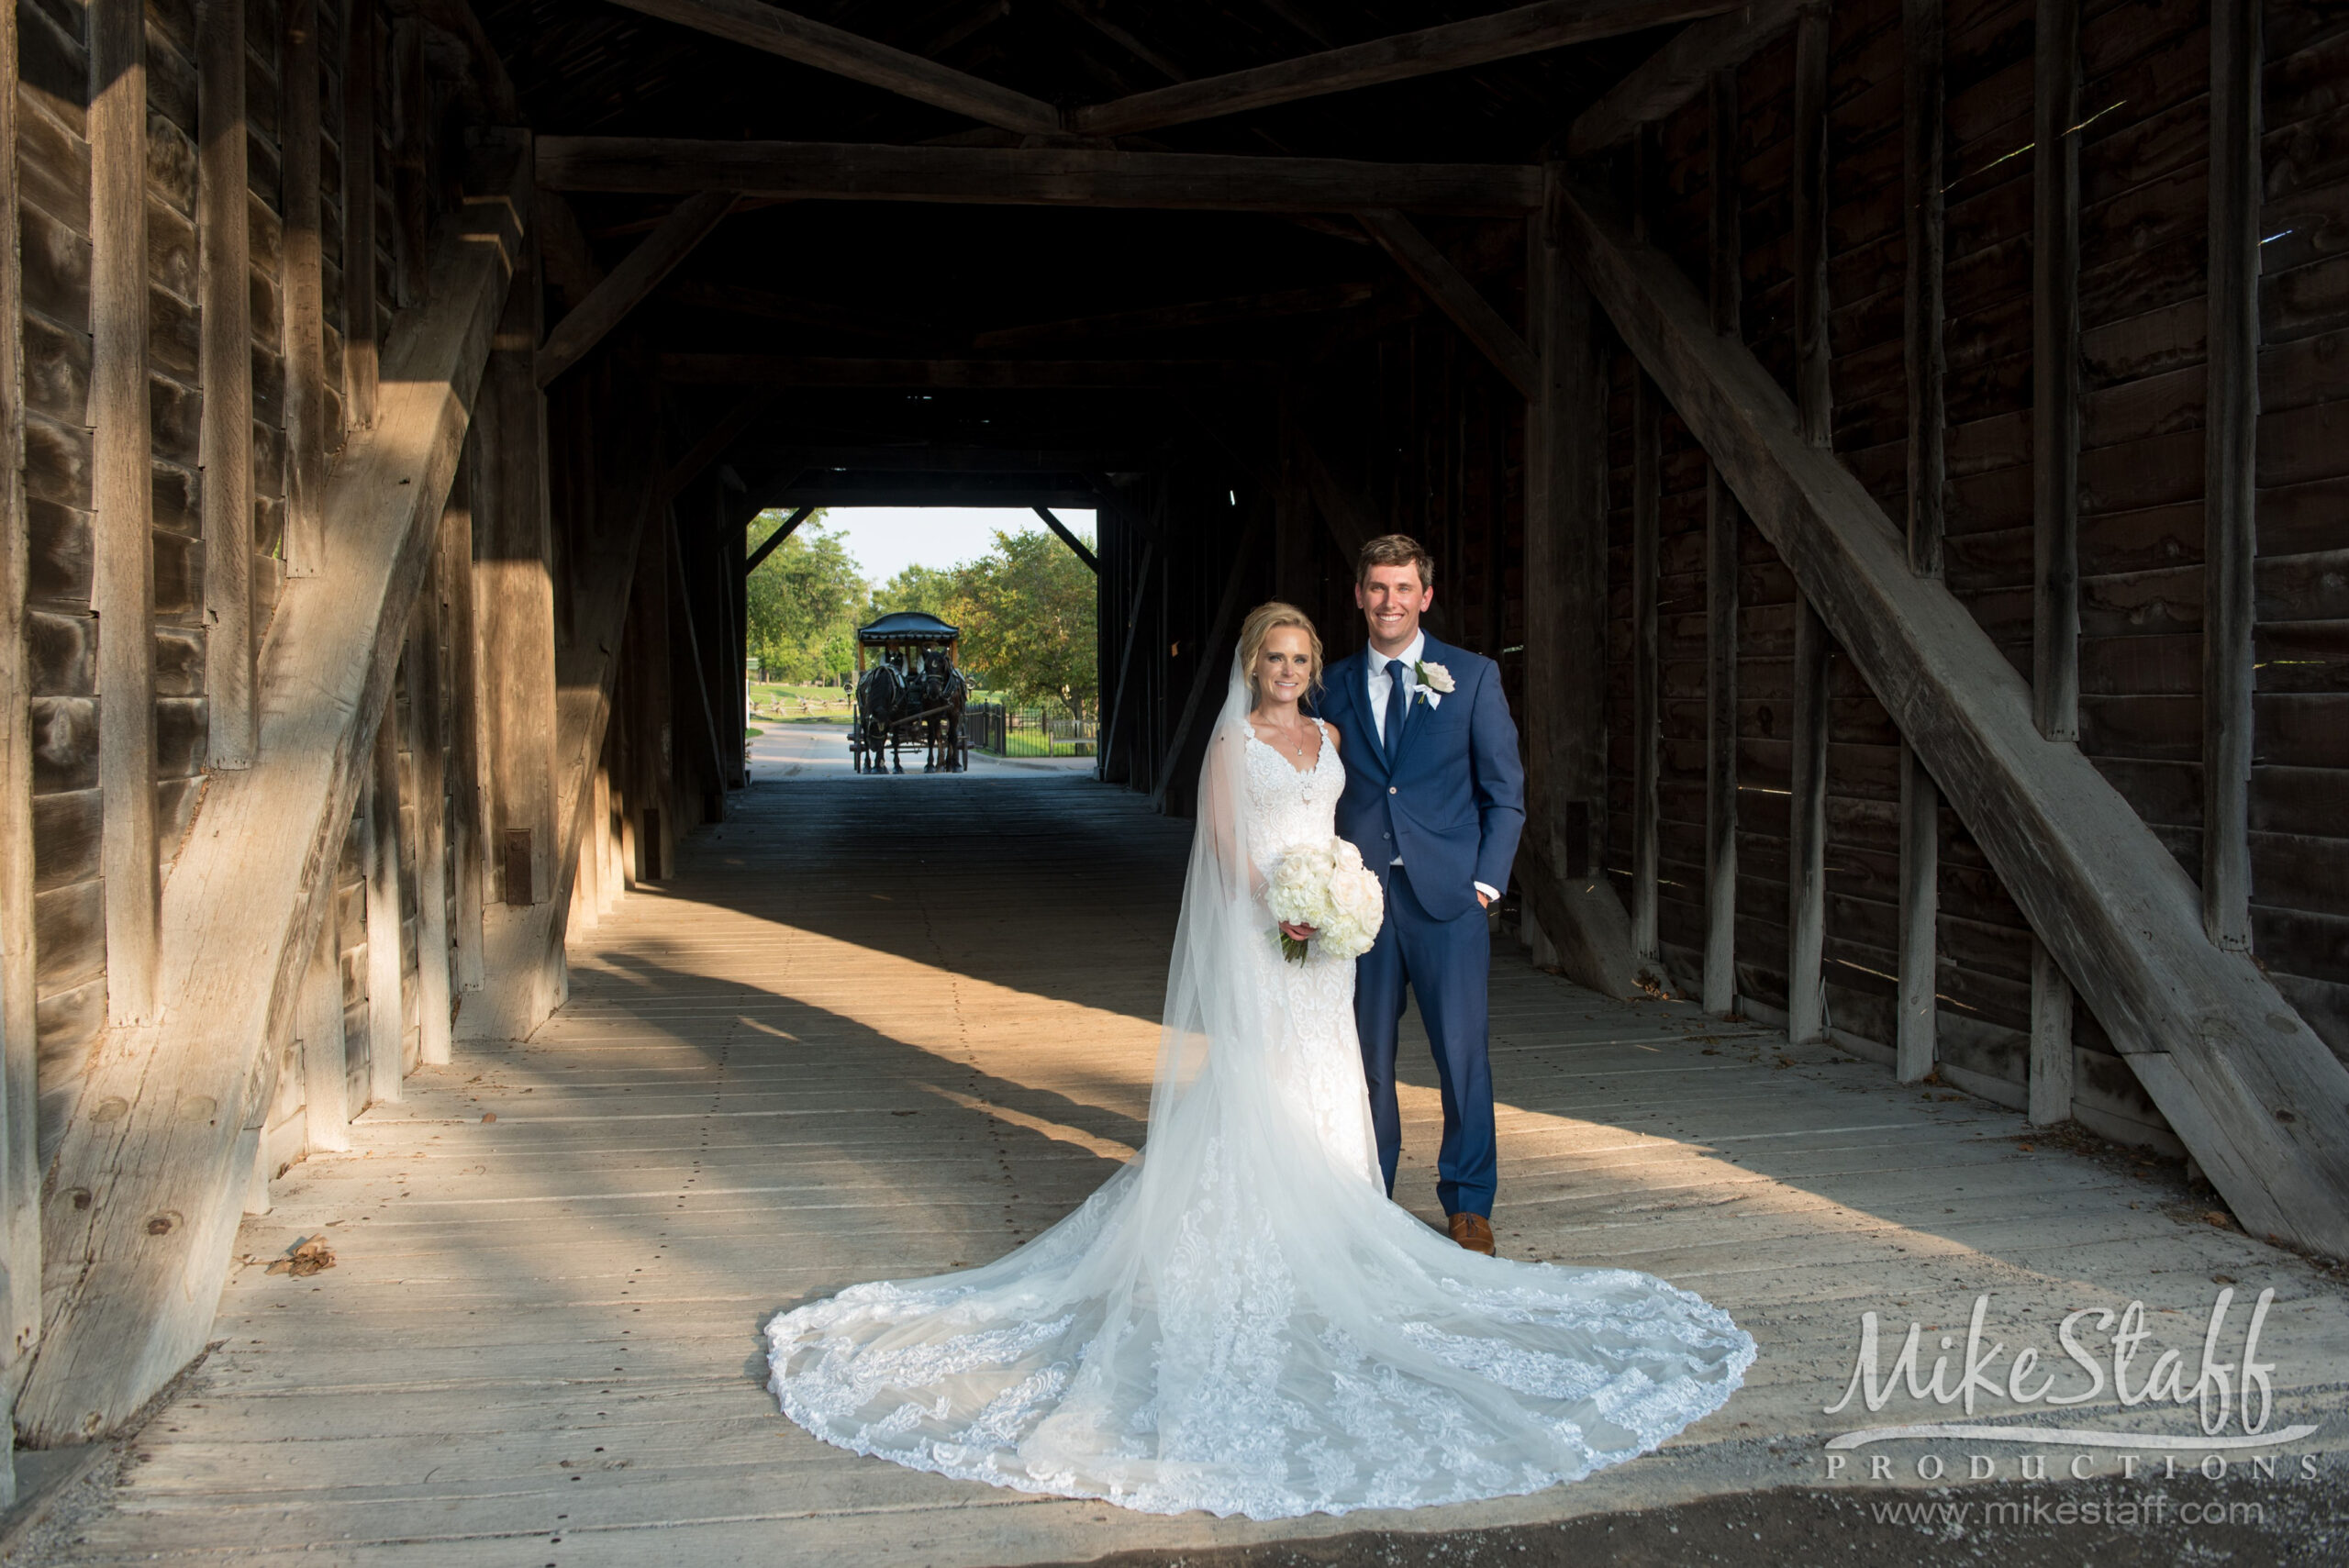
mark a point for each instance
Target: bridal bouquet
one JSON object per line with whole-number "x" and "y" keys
{"x": 1326, "y": 886}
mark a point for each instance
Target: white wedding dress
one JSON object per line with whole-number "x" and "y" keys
{"x": 1240, "y": 1320}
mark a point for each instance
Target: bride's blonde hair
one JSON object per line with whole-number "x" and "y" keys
{"x": 1259, "y": 626}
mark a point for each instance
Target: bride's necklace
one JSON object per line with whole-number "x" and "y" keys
{"x": 1296, "y": 746}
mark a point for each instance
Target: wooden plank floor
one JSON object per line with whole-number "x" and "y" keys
{"x": 890, "y": 1026}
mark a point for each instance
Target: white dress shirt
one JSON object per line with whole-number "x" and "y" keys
{"x": 1379, "y": 683}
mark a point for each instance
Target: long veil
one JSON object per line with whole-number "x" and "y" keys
{"x": 1238, "y": 1320}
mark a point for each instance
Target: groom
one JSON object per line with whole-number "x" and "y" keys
{"x": 1435, "y": 799}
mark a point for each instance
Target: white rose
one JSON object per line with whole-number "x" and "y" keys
{"x": 1433, "y": 676}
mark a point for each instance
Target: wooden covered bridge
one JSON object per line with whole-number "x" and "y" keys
{"x": 1898, "y": 450}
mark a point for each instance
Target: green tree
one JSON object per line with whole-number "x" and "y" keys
{"x": 802, "y": 601}
{"x": 926, "y": 588}
{"x": 1027, "y": 611}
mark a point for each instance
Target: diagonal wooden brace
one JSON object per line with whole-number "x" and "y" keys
{"x": 2257, "y": 1097}
{"x": 152, "y": 1170}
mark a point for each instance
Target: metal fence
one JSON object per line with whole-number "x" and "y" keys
{"x": 1029, "y": 732}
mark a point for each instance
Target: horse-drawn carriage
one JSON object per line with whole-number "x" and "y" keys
{"x": 909, "y": 693}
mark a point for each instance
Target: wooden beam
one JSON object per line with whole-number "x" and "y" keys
{"x": 20, "y": 1168}
{"x": 1092, "y": 562}
{"x": 1455, "y": 296}
{"x": 361, "y": 348}
{"x": 1116, "y": 712}
{"x": 1807, "y": 832}
{"x": 655, "y": 257}
{"x": 680, "y": 582}
{"x": 1676, "y": 73}
{"x": 138, "y": 1248}
{"x": 1916, "y": 1027}
{"x": 767, "y": 545}
{"x": 812, "y": 492}
{"x": 2229, "y": 467}
{"x": 1452, "y": 46}
{"x": 1214, "y": 659}
{"x": 427, "y": 711}
{"x": 121, "y": 492}
{"x": 1813, "y": 393}
{"x": 1037, "y": 176}
{"x": 457, "y": 17}
{"x": 2049, "y": 1085}
{"x": 2216, "y": 1046}
{"x": 1925, "y": 356}
{"x": 411, "y": 159}
{"x": 302, "y": 285}
{"x": 2055, "y": 370}
{"x": 763, "y": 27}
{"x": 1647, "y": 502}
{"x": 224, "y": 359}
{"x": 386, "y": 1030}
{"x": 1351, "y": 524}
{"x": 1276, "y": 305}
{"x": 325, "y": 1046}
{"x": 468, "y": 853}
{"x": 783, "y": 371}
{"x": 1727, "y": 247}
{"x": 1575, "y": 909}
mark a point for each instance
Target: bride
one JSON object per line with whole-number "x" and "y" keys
{"x": 1240, "y": 1320}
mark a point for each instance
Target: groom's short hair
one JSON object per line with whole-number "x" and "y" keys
{"x": 1395, "y": 549}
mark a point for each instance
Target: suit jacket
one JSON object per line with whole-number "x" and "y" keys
{"x": 1453, "y": 802}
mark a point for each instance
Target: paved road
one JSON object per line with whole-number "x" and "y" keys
{"x": 819, "y": 751}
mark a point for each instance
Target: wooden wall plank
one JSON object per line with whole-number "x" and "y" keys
{"x": 2231, "y": 431}
{"x": 1923, "y": 310}
{"x": 122, "y": 490}
{"x": 2056, "y": 355}
{"x": 1916, "y": 1024}
{"x": 1807, "y": 835}
{"x": 225, "y": 285}
{"x": 362, "y": 333}
{"x": 325, "y": 1116}
{"x": 1812, "y": 348}
{"x": 1726, "y": 243}
{"x": 303, "y": 290}
{"x": 382, "y": 861}
{"x": 20, "y": 1017}
{"x": 1646, "y": 484}
{"x": 428, "y": 744}
{"x": 469, "y": 846}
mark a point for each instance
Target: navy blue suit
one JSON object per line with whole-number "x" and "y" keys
{"x": 1452, "y": 804}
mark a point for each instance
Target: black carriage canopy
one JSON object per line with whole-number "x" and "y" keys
{"x": 907, "y": 625}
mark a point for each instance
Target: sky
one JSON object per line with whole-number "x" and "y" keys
{"x": 887, "y": 540}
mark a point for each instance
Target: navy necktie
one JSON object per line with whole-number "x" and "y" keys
{"x": 1393, "y": 735}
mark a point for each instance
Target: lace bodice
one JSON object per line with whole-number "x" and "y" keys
{"x": 1287, "y": 805}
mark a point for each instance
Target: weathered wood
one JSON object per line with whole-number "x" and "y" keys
{"x": 1574, "y": 908}
{"x": 681, "y": 604}
{"x": 2208, "y": 1034}
{"x": 468, "y": 849}
{"x": 385, "y": 1027}
{"x": 767, "y": 545}
{"x": 19, "y": 1022}
{"x": 1454, "y": 295}
{"x": 361, "y": 347}
{"x": 714, "y": 444}
{"x": 137, "y": 1248}
{"x": 792, "y": 371}
{"x": 2055, "y": 369}
{"x": 428, "y": 746}
{"x": 1806, "y": 833}
{"x": 1725, "y": 278}
{"x": 1214, "y": 657}
{"x": 2050, "y": 1040}
{"x": 1451, "y": 46}
{"x": 412, "y": 157}
{"x": 1040, "y": 176}
{"x": 2229, "y": 470}
{"x": 302, "y": 287}
{"x": 121, "y": 490}
{"x": 1351, "y": 524}
{"x": 1647, "y": 496}
{"x": 458, "y": 17}
{"x": 1676, "y": 73}
{"x": 1279, "y": 304}
{"x": 1116, "y": 712}
{"x": 653, "y": 783}
{"x": 325, "y": 1050}
{"x": 224, "y": 265}
{"x": 763, "y": 27}
{"x": 1084, "y": 551}
{"x": 1916, "y": 1029}
{"x": 1924, "y": 356}
{"x": 640, "y": 273}
{"x": 1813, "y": 391}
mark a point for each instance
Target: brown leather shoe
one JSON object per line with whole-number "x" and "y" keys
{"x": 1473, "y": 1231}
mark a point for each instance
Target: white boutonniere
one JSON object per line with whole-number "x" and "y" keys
{"x": 1433, "y": 680}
